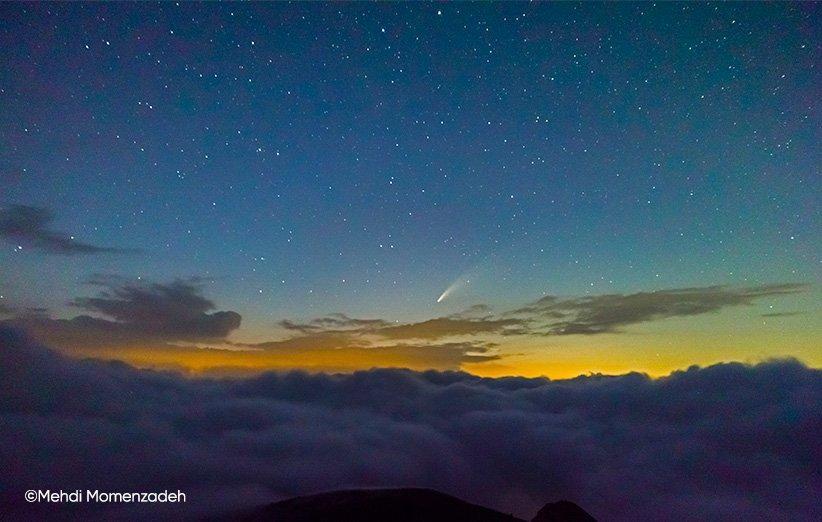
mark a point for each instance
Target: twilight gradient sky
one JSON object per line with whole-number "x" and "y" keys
{"x": 620, "y": 187}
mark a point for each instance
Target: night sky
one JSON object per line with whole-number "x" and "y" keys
{"x": 600, "y": 188}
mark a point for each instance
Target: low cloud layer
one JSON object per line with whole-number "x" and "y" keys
{"x": 158, "y": 318}
{"x": 334, "y": 323}
{"x": 173, "y": 325}
{"x": 438, "y": 328}
{"x": 554, "y": 315}
{"x": 726, "y": 442}
{"x": 29, "y": 226}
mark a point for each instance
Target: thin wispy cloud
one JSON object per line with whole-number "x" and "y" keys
{"x": 30, "y": 227}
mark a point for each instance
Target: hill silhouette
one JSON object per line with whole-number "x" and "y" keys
{"x": 396, "y": 505}
{"x": 562, "y": 511}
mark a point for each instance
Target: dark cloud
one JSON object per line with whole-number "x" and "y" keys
{"x": 150, "y": 317}
{"x": 781, "y": 314}
{"x": 609, "y": 313}
{"x": 474, "y": 312}
{"x": 449, "y": 327}
{"x": 343, "y": 352}
{"x": 464, "y": 352}
{"x": 543, "y": 306}
{"x": 334, "y": 322}
{"x": 550, "y": 315}
{"x": 131, "y": 313}
{"x": 729, "y": 441}
{"x": 409, "y": 343}
{"x": 310, "y": 341}
{"x": 466, "y": 323}
{"x": 474, "y": 321}
{"x": 175, "y": 311}
{"x": 29, "y": 226}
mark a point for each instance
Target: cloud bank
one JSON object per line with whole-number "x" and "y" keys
{"x": 725, "y": 442}
{"x": 131, "y": 313}
{"x": 29, "y": 226}
{"x": 554, "y": 315}
{"x": 173, "y": 325}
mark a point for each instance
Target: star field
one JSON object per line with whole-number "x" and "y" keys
{"x": 312, "y": 159}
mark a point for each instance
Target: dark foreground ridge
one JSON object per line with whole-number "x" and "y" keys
{"x": 562, "y": 511}
{"x": 397, "y": 505}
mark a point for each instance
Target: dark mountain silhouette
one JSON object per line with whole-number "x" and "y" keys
{"x": 562, "y": 511}
{"x": 396, "y": 505}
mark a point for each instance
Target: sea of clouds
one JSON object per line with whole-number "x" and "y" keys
{"x": 730, "y": 441}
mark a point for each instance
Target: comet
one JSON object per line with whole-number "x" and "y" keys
{"x": 454, "y": 286}
{"x": 444, "y": 295}
{"x": 473, "y": 272}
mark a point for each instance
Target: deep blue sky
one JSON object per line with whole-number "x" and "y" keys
{"x": 361, "y": 158}
{"x": 418, "y": 198}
